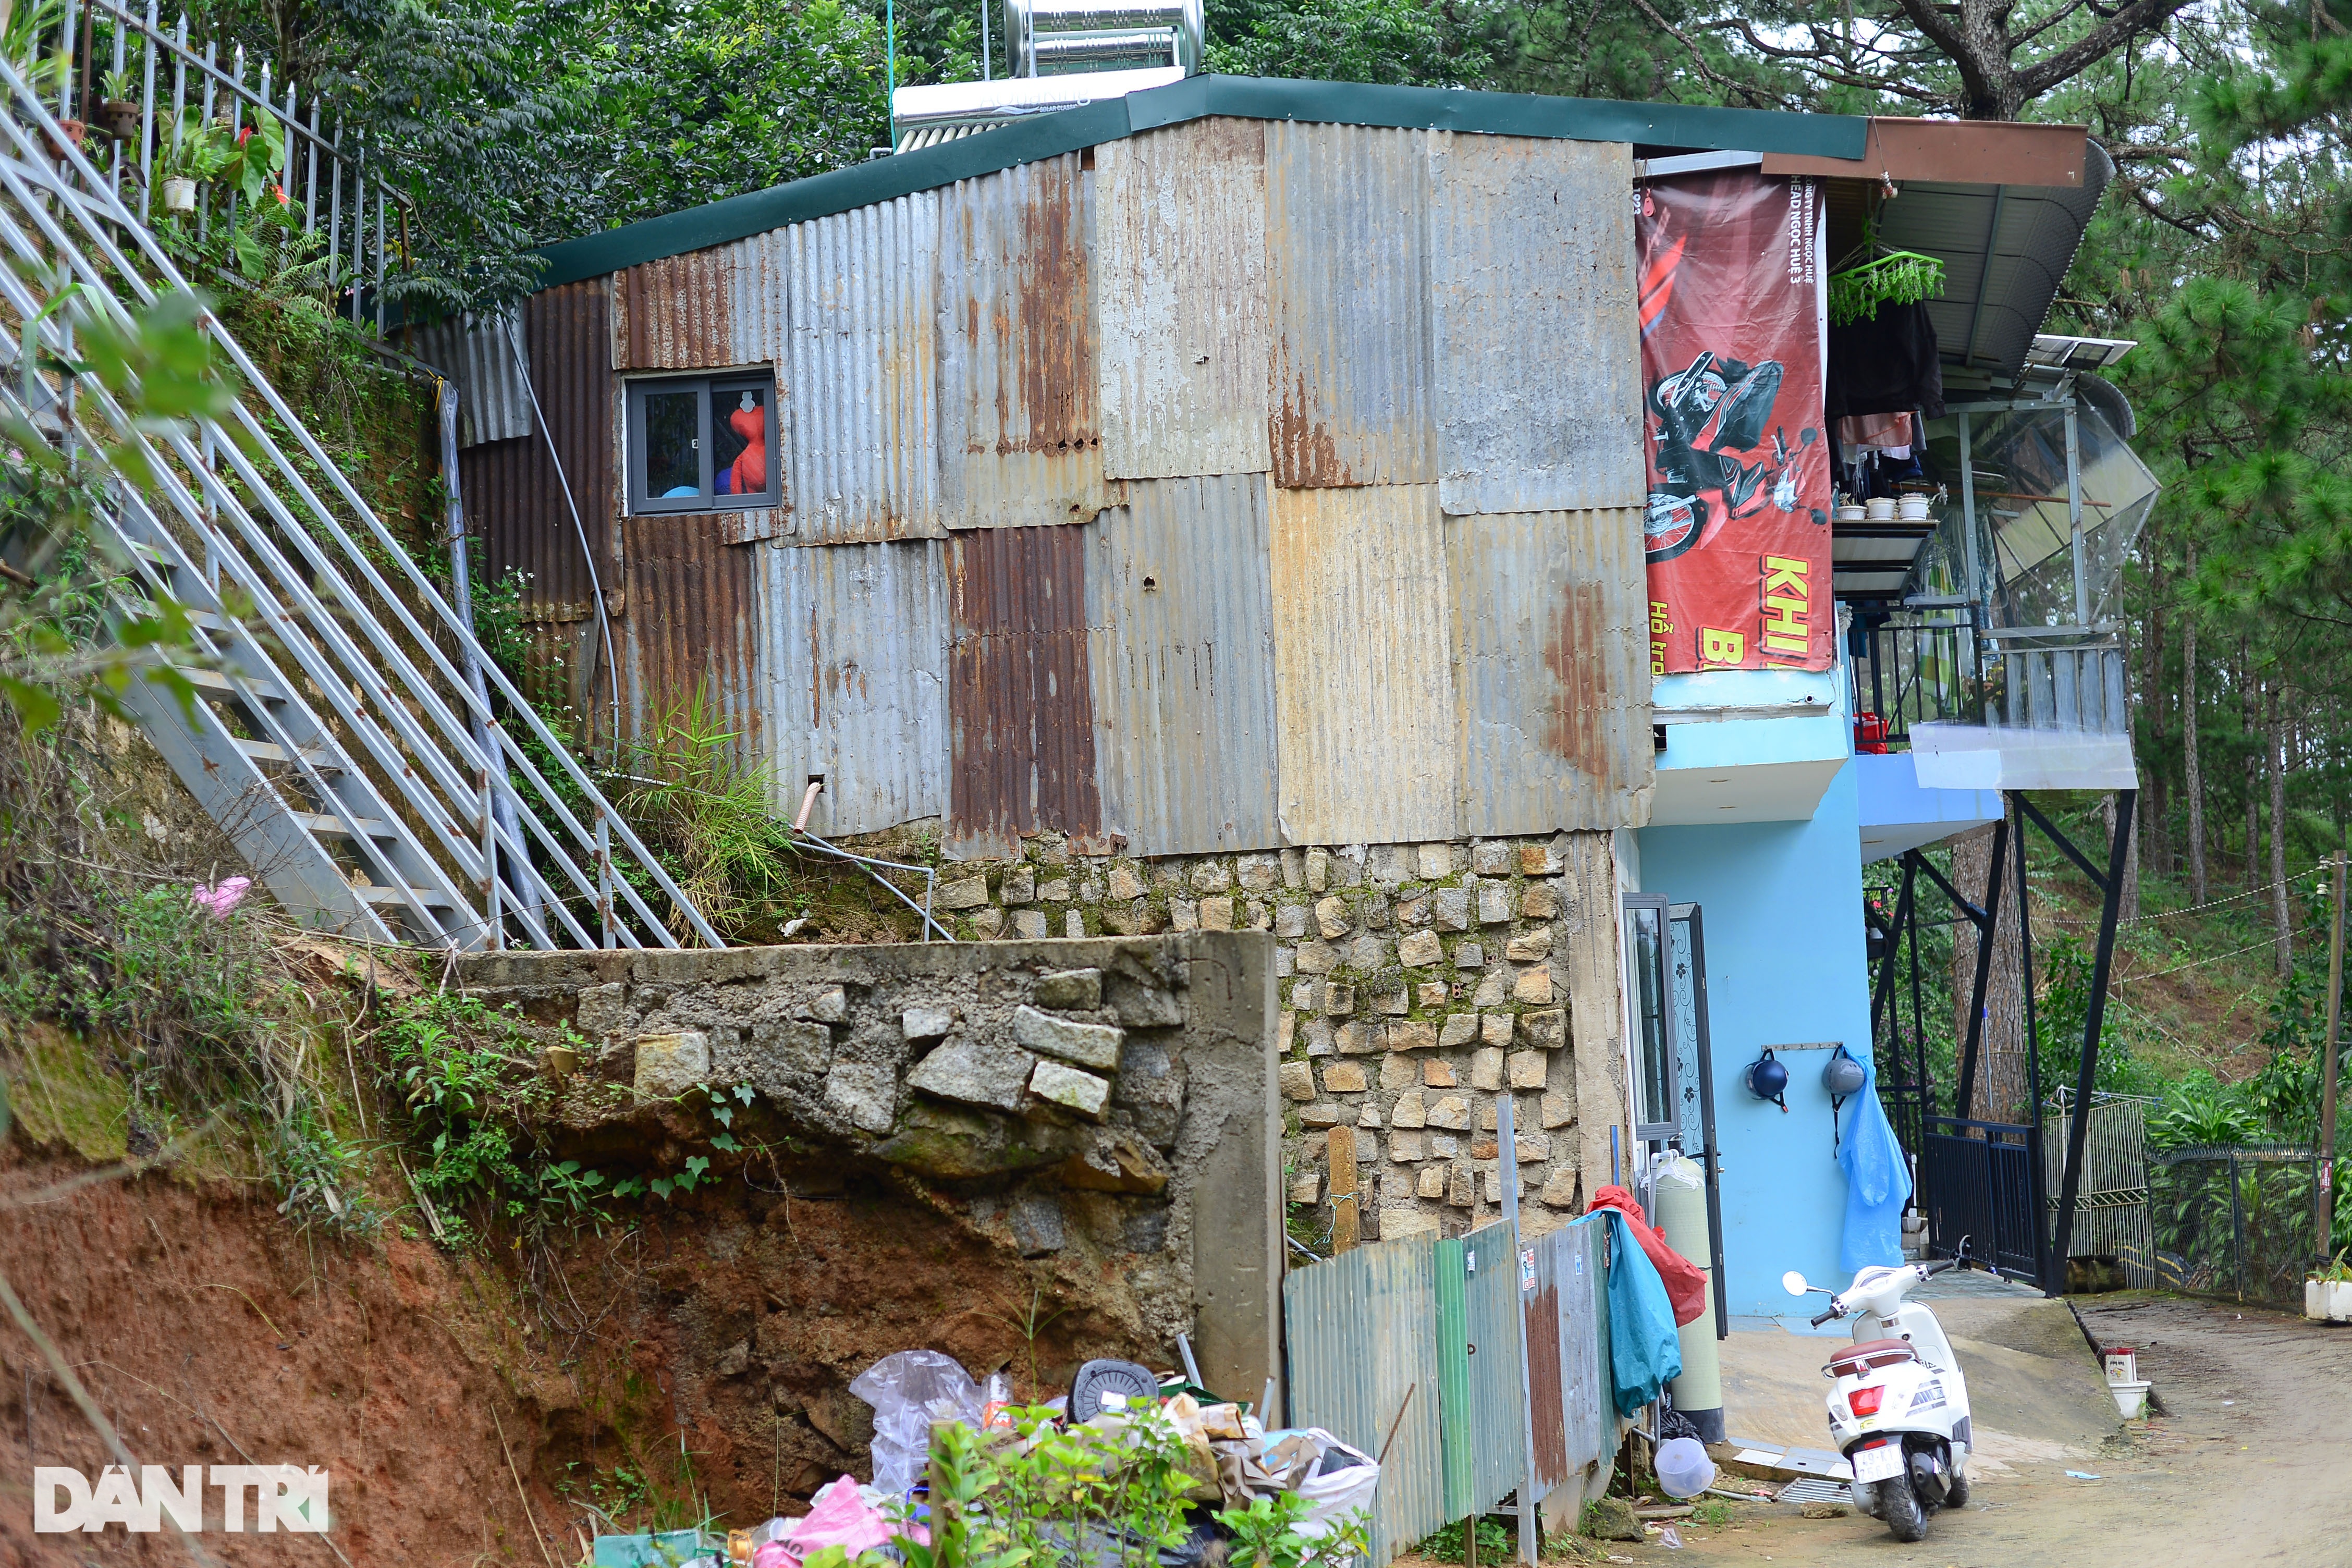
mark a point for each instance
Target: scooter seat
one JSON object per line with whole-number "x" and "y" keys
{"x": 1870, "y": 1353}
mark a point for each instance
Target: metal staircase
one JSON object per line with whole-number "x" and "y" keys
{"x": 347, "y": 732}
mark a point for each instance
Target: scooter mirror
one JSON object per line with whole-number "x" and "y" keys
{"x": 1793, "y": 1283}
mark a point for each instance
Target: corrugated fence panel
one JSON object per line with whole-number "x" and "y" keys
{"x": 861, "y": 415}
{"x": 1547, "y": 1390}
{"x": 1551, "y": 671}
{"x": 678, "y": 313}
{"x": 1020, "y": 426}
{"x": 511, "y": 486}
{"x": 1347, "y": 212}
{"x": 1490, "y": 1290}
{"x": 856, "y": 663}
{"x": 1361, "y": 1340}
{"x": 478, "y": 353}
{"x": 694, "y": 625}
{"x": 1452, "y": 1313}
{"x": 1180, "y": 227}
{"x": 1572, "y": 1258}
{"x": 1538, "y": 364}
{"x": 1020, "y": 705}
{"x": 1363, "y": 680}
{"x": 1180, "y": 614}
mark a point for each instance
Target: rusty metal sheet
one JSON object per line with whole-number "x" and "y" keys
{"x": 1360, "y": 1333}
{"x": 1363, "y": 684}
{"x": 1499, "y": 1398}
{"x": 1020, "y": 423}
{"x": 856, "y": 664}
{"x": 1179, "y": 286}
{"x": 1551, "y": 673}
{"x": 1576, "y": 1258}
{"x": 478, "y": 354}
{"x": 692, "y": 631}
{"x": 678, "y": 313}
{"x": 1179, "y": 610}
{"x": 1347, "y": 211}
{"x": 510, "y": 486}
{"x": 1536, "y": 361}
{"x": 860, "y": 369}
{"x": 1020, "y": 703}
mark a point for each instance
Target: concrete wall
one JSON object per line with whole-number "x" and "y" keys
{"x": 1782, "y": 911}
{"x": 1417, "y": 982}
{"x": 1110, "y": 1102}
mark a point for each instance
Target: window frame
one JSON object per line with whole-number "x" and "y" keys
{"x": 707, "y": 386}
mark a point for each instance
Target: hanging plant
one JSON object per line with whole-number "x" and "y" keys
{"x": 1899, "y": 277}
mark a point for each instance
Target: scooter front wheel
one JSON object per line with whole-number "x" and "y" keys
{"x": 1900, "y": 1507}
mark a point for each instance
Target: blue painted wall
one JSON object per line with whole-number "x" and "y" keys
{"x": 1781, "y": 906}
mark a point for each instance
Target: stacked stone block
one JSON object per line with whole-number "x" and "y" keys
{"x": 1420, "y": 984}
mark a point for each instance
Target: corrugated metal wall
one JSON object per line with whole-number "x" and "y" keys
{"x": 1360, "y": 1337}
{"x": 1020, "y": 423}
{"x": 1551, "y": 669}
{"x": 694, "y": 623}
{"x": 1180, "y": 283}
{"x": 856, "y": 661}
{"x": 511, "y": 486}
{"x": 478, "y": 353}
{"x": 1277, "y": 354}
{"x": 1347, "y": 211}
{"x": 861, "y": 370}
{"x": 1537, "y": 365}
{"x": 1569, "y": 1339}
{"x": 1019, "y": 702}
{"x": 1494, "y": 1424}
{"x": 1180, "y": 611}
{"x": 1363, "y": 682}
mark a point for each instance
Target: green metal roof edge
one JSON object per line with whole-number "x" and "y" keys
{"x": 881, "y": 179}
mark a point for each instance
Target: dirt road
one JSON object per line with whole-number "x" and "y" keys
{"x": 2250, "y": 1463}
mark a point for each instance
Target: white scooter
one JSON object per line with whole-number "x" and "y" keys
{"x": 1900, "y": 1410}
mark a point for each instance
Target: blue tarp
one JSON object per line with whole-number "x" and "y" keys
{"x": 1877, "y": 1179}
{"x": 1645, "y": 1353}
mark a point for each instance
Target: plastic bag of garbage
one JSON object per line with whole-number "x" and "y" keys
{"x": 909, "y": 1391}
{"x": 1334, "y": 1478}
{"x": 1684, "y": 1469}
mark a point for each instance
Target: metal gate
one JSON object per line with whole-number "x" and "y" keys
{"x": 1977, "y": 1180}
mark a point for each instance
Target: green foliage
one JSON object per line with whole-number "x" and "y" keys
{"x": 462, "y": 1067}
{"x": 1385, "y": 41}
{"x": 1495, "y": 1544}
{"x": 2199, "y": 1108}
{"x": 1268, "y": 1534}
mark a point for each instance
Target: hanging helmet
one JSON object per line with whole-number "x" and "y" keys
{"x": 1767, "y": 1080}
{"x": 1843, "y": 1075}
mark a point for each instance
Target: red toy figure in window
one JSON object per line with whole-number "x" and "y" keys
{"x": 748, "y": 475}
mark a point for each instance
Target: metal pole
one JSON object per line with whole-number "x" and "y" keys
{"x": 212, "y": 59}
{"x": 311, "y": 180}
{"x": 66, "y": 49}
{"x": 1964, "y": 1093}
{"x": 147, "y": 120}
{"x": 604, "y": 872}
{"x": 2087, "y": 1075}
{"x": 2328, "y": 1070}
{"x": 1507, "y": 1152}
{"x": 335, "y": 205}
{"x": 2036, "y": 1198}
{"x": 987, "y": 58}
{"x": 2074, "y": 519}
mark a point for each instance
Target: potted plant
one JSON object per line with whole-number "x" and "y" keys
{"x": 117, "y": 111}
{"x": 201, "y": 154}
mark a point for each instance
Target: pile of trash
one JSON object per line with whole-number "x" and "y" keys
{"x": 1230, "y": 1456}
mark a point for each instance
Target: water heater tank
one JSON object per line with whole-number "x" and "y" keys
{"x": 1062, "y": 37}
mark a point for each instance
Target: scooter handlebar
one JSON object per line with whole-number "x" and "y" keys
{"x": 1831, "y": 1311}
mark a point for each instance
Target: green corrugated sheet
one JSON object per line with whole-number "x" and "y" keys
{"x": 1453, "y": 1376}
{"x": 1668, "y": 126}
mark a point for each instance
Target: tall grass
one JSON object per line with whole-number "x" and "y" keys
{"x": 700, "y": 804}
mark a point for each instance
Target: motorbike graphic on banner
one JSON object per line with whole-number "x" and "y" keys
{"x": 1737, "y": 528}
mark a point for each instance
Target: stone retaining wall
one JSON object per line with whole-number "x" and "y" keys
{"x": 1419, "y": 983}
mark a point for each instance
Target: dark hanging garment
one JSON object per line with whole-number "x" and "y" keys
{"x": 1885, "y": 364}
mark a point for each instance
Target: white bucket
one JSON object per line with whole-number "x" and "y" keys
{"x": 2339, "y": 1304}
{"x": 2314, "y": 1301}
{"x": 1880, "y": 509}
{"x": 179, "y": 195}
{"x": 2131, "y": 1398}
{"x": 1912, "y": 509}
{"x": 1851, "y": 514}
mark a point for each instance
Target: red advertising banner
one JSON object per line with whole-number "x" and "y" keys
{"x": 1732, "y": 345}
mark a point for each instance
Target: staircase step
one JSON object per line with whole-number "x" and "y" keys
{"x": 270, "y": 751}
{"x": 220, "y": 685}
{"x": 375, "y": 894}
{"x": 319, "y": 822}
